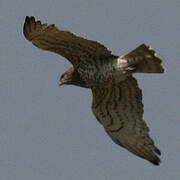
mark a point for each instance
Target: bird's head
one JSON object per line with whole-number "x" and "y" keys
{"x": 71, "y": 77}
{"x": 67, "y": 77}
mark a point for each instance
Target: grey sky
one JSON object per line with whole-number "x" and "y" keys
{"x": 47, "y": 132}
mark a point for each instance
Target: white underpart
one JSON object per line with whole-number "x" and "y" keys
{"x": 121, "y": 63}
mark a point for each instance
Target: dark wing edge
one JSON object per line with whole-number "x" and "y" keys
{"x": 119, "y": 109}
{"x": 65, "y": 43}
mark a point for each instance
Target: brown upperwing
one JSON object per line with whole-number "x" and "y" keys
{"x": 119, "y": 109}
{"x": 65, "y": 43}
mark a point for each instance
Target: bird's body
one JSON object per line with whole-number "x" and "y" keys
{"x": 104, "y": 71}
{"x": 117, "y": 99}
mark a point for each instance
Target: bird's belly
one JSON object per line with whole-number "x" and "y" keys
{"x": 106, "y": 73}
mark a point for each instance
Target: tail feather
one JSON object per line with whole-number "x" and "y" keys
{"x": 143, "y": 60}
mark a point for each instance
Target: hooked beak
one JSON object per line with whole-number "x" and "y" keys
{"x": 60, "y": 83}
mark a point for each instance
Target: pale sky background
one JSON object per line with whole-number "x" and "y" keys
{"x": 48, "y": 132}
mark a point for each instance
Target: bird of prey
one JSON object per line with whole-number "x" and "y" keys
{"x": 117, "y": 99}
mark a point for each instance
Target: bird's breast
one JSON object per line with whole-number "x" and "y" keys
{"x": 100, "y": 71}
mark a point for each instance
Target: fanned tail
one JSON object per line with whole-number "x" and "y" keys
{"x": 143, "y": 60}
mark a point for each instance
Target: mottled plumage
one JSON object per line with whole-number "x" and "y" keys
{"x": 117, "y": 99}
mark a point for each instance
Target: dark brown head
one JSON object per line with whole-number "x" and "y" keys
{"x": 67, "y": 77}
{"x": 71, "y": 77}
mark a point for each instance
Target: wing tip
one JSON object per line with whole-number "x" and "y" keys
{"x": 29, "y": 25}
{"x": 26, "y": 27}
{"x": 29, "y": 18}
{"x": 156, "y": 161}
{"x": 157, "y": 151}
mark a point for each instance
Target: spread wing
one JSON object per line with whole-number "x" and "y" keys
{"x": 119, "y": 109}
{"x": 65, "y": 43}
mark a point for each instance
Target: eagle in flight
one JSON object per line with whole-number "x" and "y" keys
{"x": 117, "y": 99}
